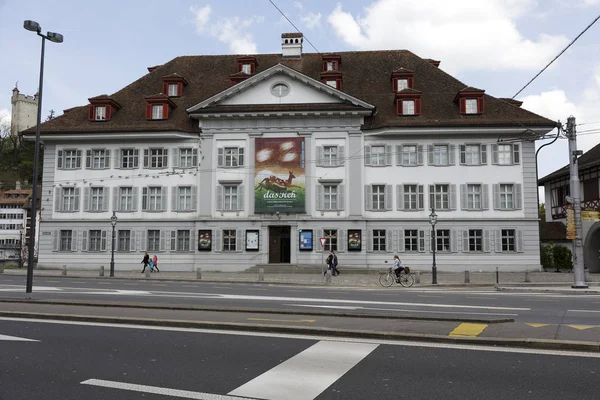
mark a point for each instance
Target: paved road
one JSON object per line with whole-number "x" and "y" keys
{"x": 77, "y": 361}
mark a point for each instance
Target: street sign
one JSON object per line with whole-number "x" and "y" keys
{"x": 571, "y": 231}
{"x": 590, "y": 215}
{"x": 323, "y": 241}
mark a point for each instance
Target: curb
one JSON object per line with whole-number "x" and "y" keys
{"x": 570, "y": 291}
{"x": 543, "y": 344}
{"x": 256, "y": 311}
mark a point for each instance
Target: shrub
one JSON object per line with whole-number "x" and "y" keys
{"x": 546, "y": 257}
{"x": 562, "y": 256}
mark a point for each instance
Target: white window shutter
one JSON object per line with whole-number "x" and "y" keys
{"x": 399, "y": 154}
{"x": 240, "y": 197}
{"x": 136, "y": 158}
{"x": 388, "y": 154}
{"x": 430, "y": 155}
{"x": 219, "y": 198}
{"x": 218, "y": 247}
{"x": 519, "y": 241}
{"x": 77, "y": 191}
{"x": 59, "y": 160}
{"x": 134, "y": 242}
{"x": 319, "y": 198}
{"x": 342, "y": 240}
{"x": 452, "y": 197}
{"x": 431, "y": 195}
{"x": 220, "y": 157}
{"x": 451, "y": 154}
{"x": 239, "y": 240}
{"x": 341, "y": 200}
{"x": 164, "y": 193}
{"x": 317, "y": 243}
{"x": 369, "y": 240}
{"x": 494, "y": 154}
{"x": 78, "y": 160}
{"x": 420, "y": 197}
{"x": 367, "y": 155}
{"x": 88, "y": 159}
{"x": 86, "y": 198}
{"x": 389, "y": 197}
{"x": 162, "y": 244}
{"x": 174, "y": 199}
{"x": 117, "y": 159}
{"x": 496, "y": 200}
{"x": 485, "y": 196}
{"x": 176, "y": 157}
{"x": 341, "y": 156}
{"x": 454, "y": 241}
{"x": 422, "y": 240}
{"x": 194, "y": 198}
{"x": 146, "y": 158}
{"x": 518, "y": 196}
{"x": 193, "y": 240}
{"x": 55, "y": 240}
{"x": 57, "y": 199}
{"x": 368, "y": 197}
{"x": 498, "y": 244}
{"x": 135, "y": 198}
{"x": 486, "y": 241}
{"x": 107, "y": 160}
{"x": 483, "y": 154}
{"x": 420, "y": 151}
{"x": 393, "y": 241}
{"x": 400, "y": 197}
{"x": 115, "y": 199}
{"x": 516, "y": 155}
{"x": 143, "y": 240}
{"x": 173, "y": 240}
{"x": 465, "y": 241}
{"x": 401, "y": 248}
{"x": 103, "y": 240}
{"x": 145, "y": 199}
{"x": 84, "y": 241}
{"x": 319, "y": 156}
{"x": 75, "y": 236}
{"x": 463, "y": 154}
{"x": 463, "y": 197}
{"x": 429, "y": 242}
{"x": 240, "y": 157}
{"x": 194, "y": 158}
{"x": 105, "y": 198}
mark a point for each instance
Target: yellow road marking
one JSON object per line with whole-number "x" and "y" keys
{"x": 257, "y": 289}
{"x": 581, "y": 327}
{"x": 547, "y": 300}
{"x": 468, "y": 330}
{"x": 130, "y": 284}
{"x": 426, "y": 295}
{"x": 282, "y": 320}
{"x": 189, "y": 286}
{"x": 53, "y": 281}
{"x": 82, "y": 281}
{"x": 534, "y": 325}
{"x": 221, "y": 287}
{"x": 158, "y": 284}
{"x": 104, "y": 283}
{"x": 298, "y": 291}
{"x": 481, "y": 298}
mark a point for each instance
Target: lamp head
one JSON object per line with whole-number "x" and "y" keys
{"x": 32, "y": 26}
{"x": 433, "y": 217}
{"x": 55, "y": 37}
{"x": 113, "y": 219}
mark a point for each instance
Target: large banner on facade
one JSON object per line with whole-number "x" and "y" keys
{"x": 279, "y": 180}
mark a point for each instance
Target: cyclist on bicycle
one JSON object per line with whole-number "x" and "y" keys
{"x": 397, "y": 267}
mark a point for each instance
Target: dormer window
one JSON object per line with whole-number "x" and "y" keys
{"x": 173, "y": 85}
{"x": 471, "y": 106}
{"x": 408, "y": 102}
{"x": 335, "y": 81}
{"x": 470, "y": 101}
{"x": 173, "y": 90}
{"x": 402, "y": 84}
{"x": 157, "y": 111}
{"x": 332, "y": 83}
{"x": 247, "y": 65}
{"x": 102, "y": 108}
{"x": 100, "y": 113}
{"x": 402, "y": 79}
{"x": 247, "y": 69}
{"x": 331, "y": 66}
{"x": 158, "y": 107}
{"x": 408, "y": 107}
{"x": 331, "y": 63}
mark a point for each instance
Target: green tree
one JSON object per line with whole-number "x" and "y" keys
{"x": 16, "y": 160}
{"x": 542, "y": 210}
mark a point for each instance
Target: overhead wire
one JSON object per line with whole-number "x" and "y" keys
{"x": 295, "y": 27}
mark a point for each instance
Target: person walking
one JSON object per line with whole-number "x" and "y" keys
{"x": 155, "y": 262}
{"x": 332, "y": 263}
{"x": 145, "y": 261}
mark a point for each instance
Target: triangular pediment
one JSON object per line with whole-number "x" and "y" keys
{"x": 281, "y": 86}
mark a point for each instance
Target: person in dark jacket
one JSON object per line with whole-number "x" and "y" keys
{"x": 332, "y": 263}
{"x": 145, "y": 261}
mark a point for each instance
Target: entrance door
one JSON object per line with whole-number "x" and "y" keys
{"x": 279, "y": 244}
{"x": 591, "y": 250}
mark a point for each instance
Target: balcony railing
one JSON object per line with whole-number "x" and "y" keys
{"x": 560, "y": 212}
{"x": 10, "y": 246}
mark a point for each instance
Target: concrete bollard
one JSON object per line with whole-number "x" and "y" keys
{"x": 418, "y": 277}
{"x": 328, "y": 277}
{"x": 64, "y": 270}
{"x": 147, "y": 274}
{"x": 586, "y": 274}
{"x": 261, "y": 274}
{"x": 198, "y": 273}
{"x": 101, "y": 270}
{"x": 467, "y": 277}
{"x": 527, "y": 277}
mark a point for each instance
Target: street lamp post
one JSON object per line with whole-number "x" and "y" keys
{"x": 113, "y": 222}
{"x": 433, "y": 220}
{"x": 56, "y": 38}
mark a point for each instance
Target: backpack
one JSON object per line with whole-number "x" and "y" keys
{"x": 406, "y": 270}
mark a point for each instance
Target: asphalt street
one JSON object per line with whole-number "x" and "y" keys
{"x": 62, "y": 360}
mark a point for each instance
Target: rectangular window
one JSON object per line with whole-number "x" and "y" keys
{"x": 125, "y": 199}
{"x": 66, "y": 238}
{"x": 185, "y": 198}
{"x": 158, "y": 158}
{"x": 173, "y": 91}
{"x": 232, "y": 157}
{"x": 411, "y": 197}
{"x": 153, "y": 240}
{"x": 409, "y": 155}
{"x": 129, "y": 158}
{"x": 97, "y": 194}
{"x": 124, "y": 240}
{"x": 183, "y": 240}
{"x": 440, "y": 197}
{"x": 96, "y": 241}
{"x": 408, "y": 107}
{"x": 186, "y": 158}
{"x": 230, "y": 194}
{"x": 72, "y": 159}
{"x": 157, "y": 111}
{"x": 330, "y": 155}
{"x": 472, "y": 154}
{"x": 508, "y": 240}
{"x": 411, "y": 240}
{"x": 100, "y": 113}
{"x": 377, "y": 155}
{"x": 402, "y": 84}
{"x": 475, "y": 240}
{"x": 154, "y": 198}
{"x": 471, "y": 106}
{"x": 505, "y": 154}
{"x": 379, "y": 240}
{"x": 440, "y": 154}
{"x": 330, "y": 193}
{"x": 68, "y": 199}
{"x": 330, "y": 65}
{"x": 97, "y": 159}
{"x": 246, "y": 69}
{"x": 378, "y": 197}
{"x": 506, "y": 197}
{"x": 332, "y": 239}
{"x": 442, "y": 240}
{"x": 229, "y": 240}
{"x": 474, "y": 197}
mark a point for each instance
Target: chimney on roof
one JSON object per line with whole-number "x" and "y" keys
{"x": 18, "y": 185}
{"x": 291, "y": 44}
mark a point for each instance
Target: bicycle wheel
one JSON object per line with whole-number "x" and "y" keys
{"x": 386, "y": 280}
{"x": 406, "y": 280}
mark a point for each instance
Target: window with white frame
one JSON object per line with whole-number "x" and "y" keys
{"x": 100, "y": 113}
{"x": 472, "y": 154}
{"x": 69, "y": 199}
{"x": 411, "y": 197}
{"x": 246, "y": 69}
{"x": 123, "y": 240}
{"x": 506, "y": 196}
{"x": 506, "y": 154}
{"x": 186, "y": 158}
{"x": 154, "y": 240}
{"x": 230, "y": 197}
{"x": 158, "y": 158}
{"x": 184, "y": 197}
{"x": 157, "y": 111}
{"x": 66, "y": 240}
{"x": 474, "y": 197}
{"x": 183, "y": 240}
{"x": 129, "y": 158}
{"x": 377, "y": 155}
{"x": 72, "y": 159}
{"x": 229, "y": 240}
{"x": 471, "y": 106}
{"x": 411, "y": 240}
{"x": 330, "y": 197}
{"x": 96, "y": 198}
{"x": 97, "y": 159}
{"x": 409, "y": 155}
{"x": 330, "y": 66}
{"x": 440, "y": 154}
{"x": 408, "y": 107}
{"x": 153, "y": 197}
{"x": 95, "y": 241}
{"x": 173, "y": 90}
{"x": 475, "y": 240}
{"x": 442, "y": 239}
{"x": 440, "y": 196}
{"x": 233, "y": 156}
{"x": 508, "y": 240}
{"x": 125, "y": 199}
{"x": 379, "y": 240}
{"x": 332, "y": 239}
{"x": 402, "y": 84}
{"x": 378, "y": 197}
{"x": 330, "y": 155}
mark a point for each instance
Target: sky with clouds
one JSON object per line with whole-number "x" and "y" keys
{"x": 496, "y": 45}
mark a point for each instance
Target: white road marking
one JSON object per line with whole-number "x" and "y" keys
{"x": 396, "y": 309}
{"x": 315, "y": 337}
{"x": 16, "y": 339}
{"x": 591, "y": 311}
{"x": 20, "y": 288}
{"x": 184, "y": 394}
{"x": 307, "y": 374}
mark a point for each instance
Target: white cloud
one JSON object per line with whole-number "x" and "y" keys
{"x": 590, "y": 2}
{"x": 312, "y": 20}
{"x": 465, "y": 35}
{"x": 201, "y": 16}
{"x": 300, "y": 6}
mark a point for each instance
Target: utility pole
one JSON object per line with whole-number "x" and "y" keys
{"x": 575, "y": 199}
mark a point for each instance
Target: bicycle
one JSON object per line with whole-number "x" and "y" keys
{"x": 386, "y": 279}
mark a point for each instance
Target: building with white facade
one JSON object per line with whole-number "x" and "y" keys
{"x": 228, "y": 162}
{"x": 15, "y": 220}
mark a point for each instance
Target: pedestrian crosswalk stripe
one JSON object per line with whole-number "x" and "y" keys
{"x": 581, "y": 327}
{"x": 534, "y": 325}
{"x": 468, "y": 330}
